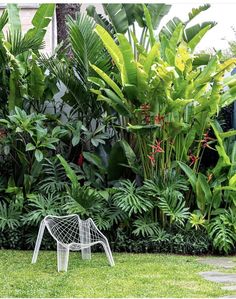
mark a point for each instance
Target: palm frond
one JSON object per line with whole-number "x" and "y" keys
{"x": 86, "y": 45}
{"x": 21, "y": 44}
{"x": 3, "y": 19}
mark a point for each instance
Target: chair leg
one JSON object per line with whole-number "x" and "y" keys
{"x": 62, "y": 257}
{"x": 38, "y": 242}
{"x": 85, "y": 239}
{"x": 107, "y": 249}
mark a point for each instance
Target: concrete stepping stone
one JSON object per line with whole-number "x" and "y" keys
{"x": 219, "y": 277}
{"x": 222, "y": 262}
{"x": 229, "y": 288}
{"x": 229, "y": 296}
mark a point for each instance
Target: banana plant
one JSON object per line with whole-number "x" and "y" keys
{"x": 164, "y": 100}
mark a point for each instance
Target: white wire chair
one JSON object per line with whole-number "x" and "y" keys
{"x": 72, "y": 233}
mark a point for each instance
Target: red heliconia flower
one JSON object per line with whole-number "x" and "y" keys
{"x": 157, "y": 147}
{"x": 3, "y": 133}
{"x": 152, "y": 159}
{"x": 80, "y": 160}
{"x": 193, "y": 159}
{"x": 145, "y": 108}
{"x": 205, "y": 140}
{"x": 158, "y": 119}
{"x": 147, "y": 119}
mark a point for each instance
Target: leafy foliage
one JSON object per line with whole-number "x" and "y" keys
{"x": 222, "y": 230}
{"x": 137, "y": 116}
{"x": 54, "y": 179}
{"x": 41, "y": 206}
{"x": 9, "y": 216}
{"x": 130, "y": 198}
{"x": 145, "y": 227}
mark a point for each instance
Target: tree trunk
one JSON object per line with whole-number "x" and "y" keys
{"x": 62, "y": 11}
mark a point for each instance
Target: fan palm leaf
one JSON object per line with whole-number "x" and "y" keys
{"x": 86, "y": 45}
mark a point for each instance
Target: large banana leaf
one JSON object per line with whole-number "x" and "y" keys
{"x": 40, "y": 21}
{"x": 192, "y": 31}
{"x": 149, "y": 25}
{"x": 196, "y": 11}
{"x": 108, "y": 80}
{"x": 117, "y": 15}
{"x": 169, "y": 28}
{"x": 111, "y": 46}
{"x": 157, "y": 12}
{"x": 195, "y": 34}
{"x": 37, "y": 84}
{"x": 190, "y": 174}
{"x": 128, "y": 59}
{"x": 122, "y": 55}
{"x": 151, "y": 57}
{"x": 114, "y": 101}
{"x": 14, "y": 18}
{"x": 121, "y": 154}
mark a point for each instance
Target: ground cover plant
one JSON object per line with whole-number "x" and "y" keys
{"x": 135, "y": 275}
{"x": 127, "y": 141}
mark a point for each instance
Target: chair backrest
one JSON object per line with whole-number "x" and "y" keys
{"x": 65, "y": 229}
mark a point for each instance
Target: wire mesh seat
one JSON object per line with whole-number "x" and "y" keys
{"x": 72, "y": 233}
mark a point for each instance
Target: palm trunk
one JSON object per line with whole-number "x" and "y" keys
{"x": 62, "y": 11}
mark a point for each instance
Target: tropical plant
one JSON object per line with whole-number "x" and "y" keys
{"x": 222, "y": 230}
{"x": 130, "y": 198}
{"x": 167, "y": 194}
{"x": 27, "y": 141}
{"x": 166, "y": 126}
{"x": 22, "y": 78}
{"x": 145, "y": 227}
{"x": 9, "y": 216}
{"x": 54, "y": 179}
{"x": 89, "y": 202}
{"x": 39, "y": 206}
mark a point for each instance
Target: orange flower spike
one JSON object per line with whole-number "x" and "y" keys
{"x": 209, "y": 178}
{"x": 152, "y": 159}
{"x": 193, "y": 159}
{"x": 158, "y": 119}
{"x": 147, "y": 119}
{"x": 157, "y": 147}
{"x": 145, "y": 108}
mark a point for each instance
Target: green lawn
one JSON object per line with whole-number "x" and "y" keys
{"x": 135, "y": 275}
